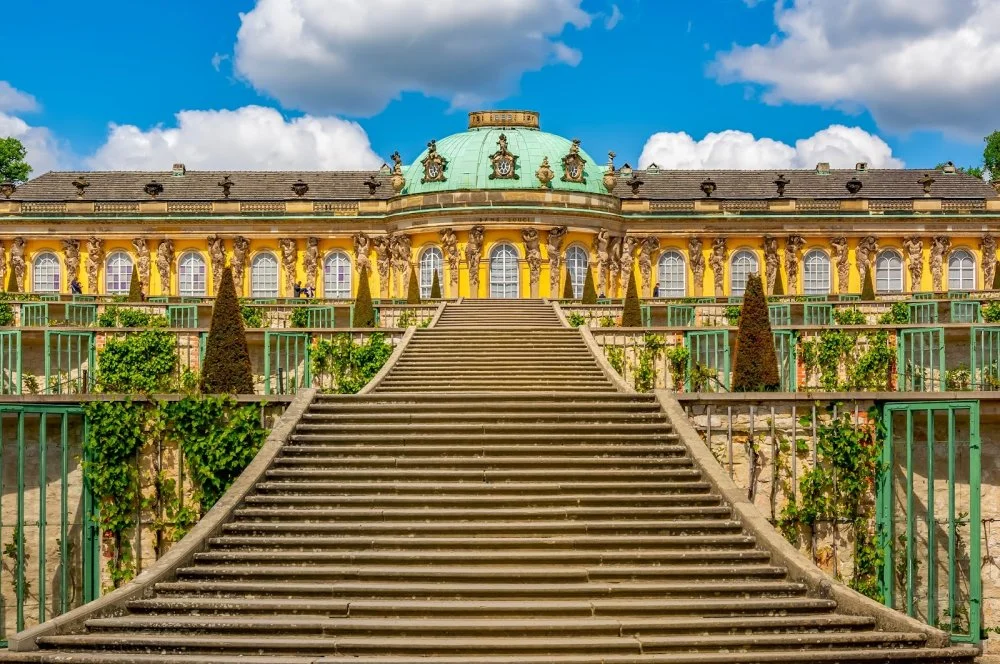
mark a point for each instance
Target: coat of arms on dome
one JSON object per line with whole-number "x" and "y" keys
{"x": 434, "y": 165}
{"x": 573, "y": 164}
{"x": 504, "y": 163}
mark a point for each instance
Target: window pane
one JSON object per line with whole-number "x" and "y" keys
{"x": 432, "y": 259}
{"x": 264, "y": 276}
{"x": 816, "y": 273}
{"x": 743, "y": 265}
{"x": 191, "y": 275}
{"x": 961, "y": 271}
{"x": 503, "y": 272}
{"x": 45, "y": 277}
{"x": 889, "y": 273}
{"x": 337, "y": 276}
{"x": 118, "y": 274}
{"x": 577, "y": 261}
{"x": 672, "y": 275}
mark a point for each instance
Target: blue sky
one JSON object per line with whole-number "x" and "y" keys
{"x": 626, "y": 75}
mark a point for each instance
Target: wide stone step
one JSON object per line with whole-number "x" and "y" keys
{"x": 417, "y": 447}
{"x": 561, "y": 463}
{"x": 474, "y": 589}
{"x": 606, "y": 398}
{"x": 568, "y": 430}
{"x": 630, "y": 512}
{"x": 519, "y": 500}
{"x": 486, "y": 476}
{"x": 500, "y": 489}
{"x": 675, "y": 542}
{"x": 623, "y": 435}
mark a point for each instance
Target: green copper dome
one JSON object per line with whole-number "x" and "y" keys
{"x": 469, "y": 165}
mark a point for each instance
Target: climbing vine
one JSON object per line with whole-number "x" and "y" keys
{"x": 6, "y": 314}
{"x": 991, "y": 312}
{"x": 867, "y": 359}
{"x": 840, "y": 489}
{"x": 126, "y": 317}
{"x": 344, "y": 366}
{"x": 253, "y": 317}
{"x": 576, "y": 319}
{"x": 678, "y": 357}
{"x": 144, "y": 362}
{"x": 644, "y": 371}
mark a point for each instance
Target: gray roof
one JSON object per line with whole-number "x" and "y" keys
{"x": 349, "y": 185}
{"x": 204, "y": 186}
{"x": 880, "y": 183}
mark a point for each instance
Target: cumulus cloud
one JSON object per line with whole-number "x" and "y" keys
{"x": 15, "y": 101}
{"x": 44, "y": 151}
{"x": 914, "y": 65}
{"x": 248, "y": 138}
{"x": 613, "y": 19}
{"x": 355, "y": 56}
{"x": 841, "y": 146}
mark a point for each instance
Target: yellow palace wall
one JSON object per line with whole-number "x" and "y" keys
{"x": 420, "y": 241}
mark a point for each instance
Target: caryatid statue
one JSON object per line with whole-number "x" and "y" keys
{"x": 771, "y": 261}
{"x": 650, "y": 243}
{"x": 383, "y": 261}
{"x": 17, "y": 262}
{"x": 988, "y": 246}
{"x": 626, "y": 257}
{"x": 289, "y": 257}
{"x": 697, "y": 260}
{"x": 838, "y": 246}
{"x": 554, "y": 243}
{"x": 3, "y": 265}
{"x": 95, "y": 258}
{"x": 142, "y": 262}
{"x": 71, "y": 259}
{"x": 449, "y": 244}
{"x": 310, "y": 262}
{"x": 217, "y": 254}
{"x": 362, "y": 246}
{"x": 793, "y": 246}
{"x": 614, "y": 265}
{"x": 241, "y": 251}
{"x": 473, "y": 256}
{"x": 401, "y": 247}
{"x": 914, "y": 247}
{"x": 717, "y": 261}
{"x": 164, "y": 261}
{"x": 864, "y": 255}
{"x": 601, "y": 241}
{"x": 532, "y": 256}
{"x": 939, "y": 247}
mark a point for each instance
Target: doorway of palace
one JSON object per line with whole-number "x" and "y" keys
{"x": 504, "y": 277}
{"x": 929, "y": 514}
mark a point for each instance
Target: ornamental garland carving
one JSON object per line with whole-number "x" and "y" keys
{"x": 601, "y": 241}
{"x": 573, "y": 164}
{"x": 473, "y": 255}
{"x": 434, "y": 165}
{"x": 289, "y": 254}
{"x": 503, "y": 162}
{"x": 400, "y": 247}
{"x": 362, "y": 247}
{"x": 164, "y": 261}
{"x": 697, "y": 259}
{"x": 310, "y": 262}
{"x": 864, "y": 255}
{"x": 649, "y": 244}
{"x": 17, "y": 262}
{"x": 914, "y": 247}
{"x": 793, "y": 246}
{"x": 449, "y": 244}
{"x": 95, "y": 258}
{"x": 241, "y": 251}
{"x": 771, "y": 261}
{"x": 532, "y": 256}
{"x": 717, "y": 261}
{"x": 142, "y": 262}
{"x": 838, "y": 247}
{"x": 939, "y": 247}
{"x": 988, "y": 246}
{"x": 554, "y": 243}
{"x": 71, "y": 259}
{"x": 217, "y": 254}
{"x": 383, "y": 261}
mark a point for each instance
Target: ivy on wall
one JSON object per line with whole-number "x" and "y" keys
{"x": 345, "y": 366}
{"x": 144, "y": 362}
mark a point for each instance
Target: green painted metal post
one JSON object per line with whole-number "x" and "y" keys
{"x": 19, "y": 532}
{"x": 43, "y": 444}
{"x": 64, "y": 561}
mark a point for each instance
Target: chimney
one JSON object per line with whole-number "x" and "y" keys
{"x": 179, "y": 170}
{"x": 823, "y": 168}
{"x": 861, "y": 166}
{"x": 949, "y": 168}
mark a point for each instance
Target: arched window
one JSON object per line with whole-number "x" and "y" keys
{"x": 191, "y": 275}
{"x": 118, "y": 273}
{"x": 430, "y": 261}
{"x": 45, "y": 273}
{"x": 337, "y": 276}
{"x": 577, "y": 262}
{"x": 816, "y": 273}
{"x": 889, "y": 272}
{"x": 961, "y": 270}
{"x": 744, "y": 264}
{"x": 504, "y": 278}
{"x": 671, "y": 274}
{"x": 264, "y": 276}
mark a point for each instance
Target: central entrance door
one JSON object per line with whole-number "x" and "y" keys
{"x": 504, "y": 277}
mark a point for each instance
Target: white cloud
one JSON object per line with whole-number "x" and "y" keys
{"x": 218, "y": 59}
{"x": 612, "y": 20}
{"x": 15, "y": 101}
{"x": 914, "y": 65}
{"x": 841, "y": 146}
{"x": 355, "y": 56}
{"x": 248, "y": 138}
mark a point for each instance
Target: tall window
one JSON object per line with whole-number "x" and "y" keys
{"x": 432, "y": 260}
{"x": 744, "y": 264}
{"x": 577, "y": 262}
{"x": 671, "y": 274}
{"x": 45, "y": 273}
{"x": 264, "y": 276}
{"x": 118, "y": 273}
{"x": 191, "y": 275}
{"x": 889, "y": 272}
{"x": 816, "y": 273}
{"x": 337, "y": 276}
{"x": 504, "y": 279}
{"x": 961, "y": 270}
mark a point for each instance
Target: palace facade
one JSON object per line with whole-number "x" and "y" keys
{"x": 502, "y": 209}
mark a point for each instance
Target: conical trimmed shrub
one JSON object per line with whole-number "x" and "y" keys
{"x": 755, "y": 367}
{"x": 226, "y": 369}
{"x": 589, "y": 292}
{"x": 364, "y": 311}
{"x": 435, "y": 287}
{"x": 868, "y": 288}
{"x": 568, "y": 293}
{"x": 779, "y": 285}
{"x": 413, "y": 288}
{"x": 996, "y": 277}
{"x": 134, "y": 287}
{"x": 12, "y": 283}
{"x": 632, "y": 313}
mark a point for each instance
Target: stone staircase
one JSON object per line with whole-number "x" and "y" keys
{"x": 493, "y": 501}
